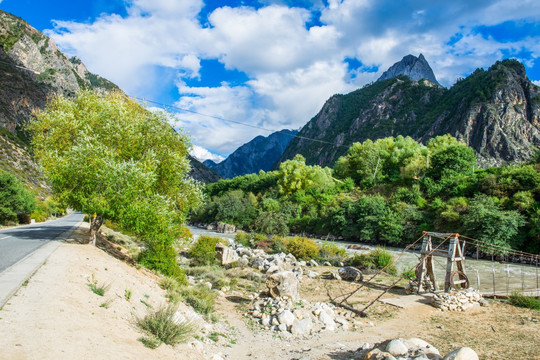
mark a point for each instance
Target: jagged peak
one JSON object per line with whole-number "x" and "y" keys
{"x": 416, "y": 68}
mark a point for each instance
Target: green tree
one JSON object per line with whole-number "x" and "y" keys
{"x": 294, "y": 175}
{"x": 109, "y": 156}
{"x": 15, "y": 199}
{"x": 449, "y": 157}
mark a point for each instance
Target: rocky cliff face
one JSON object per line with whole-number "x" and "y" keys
{"x": 415, "y": 68}
{"x": 496, "y": 112}
{"x": 258, "y": 154}
{"x": 201, "y": 172}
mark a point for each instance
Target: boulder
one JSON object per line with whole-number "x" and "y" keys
{"x": 286, "y": 317}
{"x": 225, "y": 228}
{"x": 350, "y": 273}
{"x": 283, "y": 283}
{"x": 301, "y": 327}
{"x": 225, "y": 254}
{"x": 464, "y": 353}
{"x": 396, "y": 347}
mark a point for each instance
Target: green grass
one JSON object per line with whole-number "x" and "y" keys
{"x": 520, "y": 300}
{"x": 200, "y": 298}
{"x": 98, "y": 289}
{"x": 162, "y": 327}
{"x": 127, "y": 294}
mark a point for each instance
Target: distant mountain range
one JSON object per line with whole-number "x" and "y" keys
{"x": 259, "y": 154}
{"x": 496, "y": 112}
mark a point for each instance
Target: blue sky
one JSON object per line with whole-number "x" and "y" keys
{"x": 273, "y": 63}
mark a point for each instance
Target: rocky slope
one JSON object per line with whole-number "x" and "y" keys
{"x": 497, "y": 112}
{"x": 258, "y": 154}
{"x": 416, "y": 68}
{"x": 32, "y": 68}
{"x": 201, "y": 172}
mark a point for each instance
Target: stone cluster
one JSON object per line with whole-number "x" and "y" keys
{"x": 410, "y": 349}
{"x": 300, "y": 317}
{"x": 458, "y": 300}
{"x": 412, "y": 286}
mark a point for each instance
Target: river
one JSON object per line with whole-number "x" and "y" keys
{"x": 508, "y": 276}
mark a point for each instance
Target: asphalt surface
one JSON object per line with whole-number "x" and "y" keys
{"x": 19, "y": 242}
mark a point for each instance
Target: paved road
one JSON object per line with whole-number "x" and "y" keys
{"x": 18, "y": 242}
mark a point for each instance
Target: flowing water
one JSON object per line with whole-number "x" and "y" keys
{"x": 481, "y": 273}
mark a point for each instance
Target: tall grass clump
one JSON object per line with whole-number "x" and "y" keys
{"x": 203, "y": 252}
{"x": 161, "y": 325}
{"x": 377, "y": 258}
{"x": 201, "y": 298}
{"x": 332, "y": 253}
{"x": 520, "y": 300}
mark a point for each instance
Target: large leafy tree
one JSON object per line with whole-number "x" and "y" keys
{"x": 109, "y": 156}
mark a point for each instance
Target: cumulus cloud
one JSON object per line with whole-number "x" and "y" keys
{"x": 291, "y": 52}
{"x": 203, "y": 154}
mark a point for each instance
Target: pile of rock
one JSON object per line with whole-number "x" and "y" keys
{"x": 458, "y": 300}
{"x": 299, "y": 317}
{"x": 412, "y": 286}
{"x": 401, "y": 349}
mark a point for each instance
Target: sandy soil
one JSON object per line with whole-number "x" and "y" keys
{"x": 56, "y": 316}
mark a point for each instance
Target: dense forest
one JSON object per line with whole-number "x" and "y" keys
{"x": 386, "y": 191}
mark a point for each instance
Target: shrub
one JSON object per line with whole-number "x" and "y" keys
{"x": 331, "y": 252}
{"x": 162, "y": 325}
{"x": 279, "y": 245}
{"x": 203, "y": 252}
{"x": 243, "y": 238}
{"x": 162, "y": 257}
{"x": 377, "y": 258}
{"x": 409, "y": 274}
{"x": 201, "y": 298}
{"x": 520, "y": 300}
{"x": 15, "y": 199}
{"x": 303, "y": 248}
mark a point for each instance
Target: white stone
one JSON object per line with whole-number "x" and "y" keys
{"x": 464, "y": 353}
{"x": 286, "y": 317}
{"x": 397, "y": 348}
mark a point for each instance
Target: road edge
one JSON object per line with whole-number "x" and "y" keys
{"x": 12, "y": 278}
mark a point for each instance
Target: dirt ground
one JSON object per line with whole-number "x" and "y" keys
{"x": 56, "y": 316}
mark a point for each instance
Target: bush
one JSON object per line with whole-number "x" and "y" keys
{"x": 409, "y": 274}
{"x": 243, "y": 238}
{"x": 203, "y": 252}
{"x": 201, "y": 298}
{"x": 332, "y": 253}
{"x": 520, "y": 300}
{"x": 303, "y": 248}
{"x": 15, "y": 199}
{"x": 162, "y": 325}
{"x": 162, "y": 257}
{"x": 377, "y": 258}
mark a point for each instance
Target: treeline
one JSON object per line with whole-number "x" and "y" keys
{"x": 387, "y": 191}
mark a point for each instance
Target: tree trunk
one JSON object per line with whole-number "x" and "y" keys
{"x": 94, "y": 228}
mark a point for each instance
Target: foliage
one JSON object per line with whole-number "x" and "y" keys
{"x": 106, "y": 154}
{"x": 203, "y": 252}
{"x": 201, "y": 298}
{"x": 15, "y": 199}
{"x": 332, "y": 253}
{"x": 377, "y": 258}
{"x": 163, "y": 325}
{"x": 294, "y": 175}
{"x": 520, "y": 300}
{"x": 162, "y": 257}
{"x": 303, "y": 248}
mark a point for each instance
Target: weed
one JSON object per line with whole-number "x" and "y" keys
{"x": 146, "y": 304}
{"x": 214, "y": 336}
{"x": 200, "y": 298}
{"x": 25, "y": 283}
{"x": 409, "y": 274}
{"x": 150, "y": 342}
{"x": 163, "y": 326}
{"x": 107, "y": 303}
{"x": 521, "y": 300}
{"x": 127, "y": 294}
{"x": 97, "y": 288}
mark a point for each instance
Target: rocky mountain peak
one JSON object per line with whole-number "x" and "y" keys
{"x": 415, "y": 68}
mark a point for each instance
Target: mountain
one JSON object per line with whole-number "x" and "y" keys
{"x": 258, "y": 154}
{"x": 201, "y": 172}
{"x": 32, "y": 68}
{"x": 416, "y": 68}
{"x": 496, "y": 112}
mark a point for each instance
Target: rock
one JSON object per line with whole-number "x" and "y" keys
{"x": 283, "y": 283}
{"x": 350, "y": 273}
{"x": 357, "y": 247}
{"x": 464, "y": 353}
{"x": 326, "y": 263}
{"x": 273, "y": 269}
{"x": 225, "y": 254}
{"x": 313, "y": 263}
{"x": 225, "y": 228}
{"x": 312, "y": 274}
{"x": 335, "y": 276}
{"x": 327, "y": 320}
{"x": 301, "y": 327}
{"x": 286, "y": 317}
{"x": 243, "y": 262}
{"x": 397, "y": 348}
{"x": 282, "y": 327}
{"x": 420, "y": 347}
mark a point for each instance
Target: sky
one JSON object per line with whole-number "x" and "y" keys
{"x": 272, "y": 64}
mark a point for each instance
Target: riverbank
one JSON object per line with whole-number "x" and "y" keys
{"x": 56, "y": 316}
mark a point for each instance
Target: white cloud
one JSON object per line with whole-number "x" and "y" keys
{"x": 203, "y": 154}
{"x": 536, "y": 82}
{"x": 292, "y": 67}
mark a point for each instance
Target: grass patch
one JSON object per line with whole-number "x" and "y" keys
{"x": 520, "y": 300}
{"x": 107, "y": 303}
{"x": 161, "y": 326}
{"x": 98, "y": 289}
{"x": 378, "y": 258}
{"x": 127, "y": 294}
{"x": 201, "y": 298}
